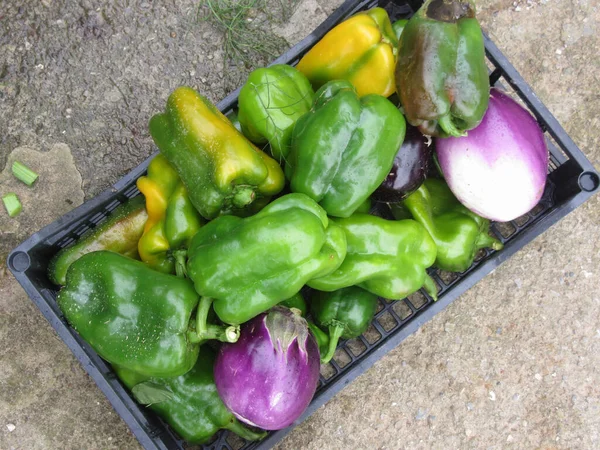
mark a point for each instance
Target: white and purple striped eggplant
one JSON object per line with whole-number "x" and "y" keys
{"x": 499, "y": 170}
{"x": 269, "y": 376}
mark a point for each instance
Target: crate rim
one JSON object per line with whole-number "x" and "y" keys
{"x": 18, "y": 260}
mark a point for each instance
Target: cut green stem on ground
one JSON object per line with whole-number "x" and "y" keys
{"x": 24, "y": 173}
{"x": 12, "y": 204}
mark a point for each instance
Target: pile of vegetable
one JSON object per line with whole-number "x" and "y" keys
{"x": 192, "y": 291}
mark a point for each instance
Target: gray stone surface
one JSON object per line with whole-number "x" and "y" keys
{"x": 307, "y": 16}
{"x": 44, "y": 392}
{"x": 56, "y": 191}
{"x": 90, "y": 74}
{"x": 46, "y": 399}
{"x": 512, "y": 364}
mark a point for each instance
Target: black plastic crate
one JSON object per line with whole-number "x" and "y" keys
{"x": 572, "y": 180}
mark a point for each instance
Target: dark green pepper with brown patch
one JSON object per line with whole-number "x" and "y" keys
{"x": 441, "y": 76}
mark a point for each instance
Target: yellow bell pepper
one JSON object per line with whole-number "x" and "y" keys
{"x": 223, "y": 172}
{"x": 362, "y": 50}
{"x": 172, "y": 219}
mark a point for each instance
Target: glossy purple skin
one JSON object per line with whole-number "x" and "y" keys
{"x": 263, "y": 385}
{"x": 499, "y": 170}
{"x": 410, "y": 168}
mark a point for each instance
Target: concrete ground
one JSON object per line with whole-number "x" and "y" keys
{"x": 513, "y": 363}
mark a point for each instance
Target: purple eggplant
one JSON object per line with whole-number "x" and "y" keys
{"x": 499, "y": 170}
{"x": 410, "y": 168}
{"x": 269, "y": 376}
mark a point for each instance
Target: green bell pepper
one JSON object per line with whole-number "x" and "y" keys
{"x": 120, "y": 233}
{"x": 296, "y": 301}
{"x": 345, "y": 313}
{"x": 365, "y": 207}
{"x": 135, "y": 317}
{"x": 270, "y": 104}
{"x": 189, "y": 403}
{"x": 172, "y": 219}
{"x": 441, "y": 76}
{"x": 385, "y": 257}
{"x": 221, "y": 170}
{"x": 398, "y": 27}
{"x": 344, "y": 147}
{"x": 249, "y": 265}
{"x": 458, "y": 233}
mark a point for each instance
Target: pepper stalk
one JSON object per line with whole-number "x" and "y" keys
{"x": 205, "y": 331}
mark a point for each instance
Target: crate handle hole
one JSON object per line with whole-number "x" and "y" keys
{"x": 19, "y": 262}
{"x": 589, "y": 181}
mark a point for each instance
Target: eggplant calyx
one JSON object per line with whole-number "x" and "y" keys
{"x": 296, "y": 311}
{"x": 285, "y": 327}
